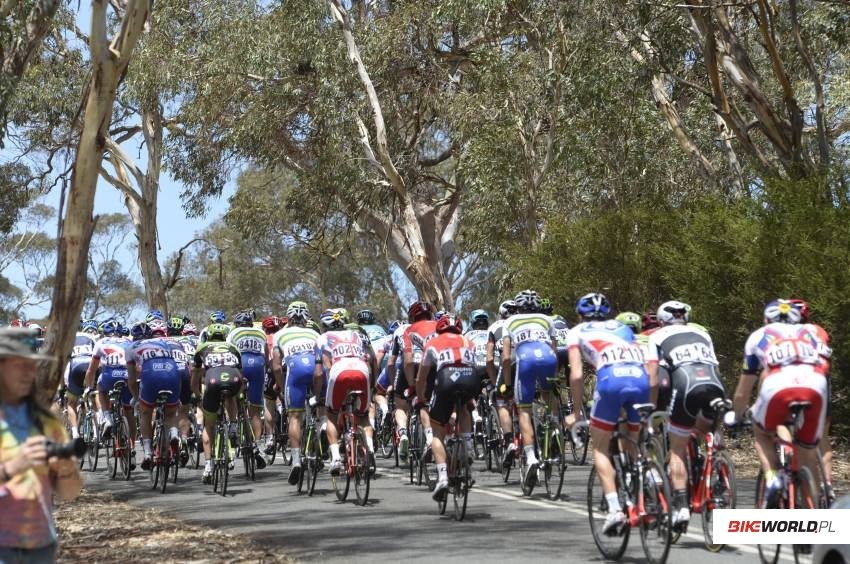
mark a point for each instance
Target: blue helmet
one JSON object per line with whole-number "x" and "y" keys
{"x": 439, "y": 314}
{"x": 218, "y": 317}
{"x": 479, "y": 315}
{"x": 141, "y": 330}
{"x": 154, "y": 314}
{"x": 89, "y": 326}
{"x": 332, "y": 319}
{"x": 593, "y": 306}
{"x": 110, "y": 327}
{"x": 394, "y": 325}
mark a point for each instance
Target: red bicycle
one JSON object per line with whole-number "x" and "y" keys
{"x": 354, "y": 453}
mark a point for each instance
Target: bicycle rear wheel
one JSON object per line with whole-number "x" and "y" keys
{"x": 494, "y": 439}
{"x": 460, "y": 480}
{"x": 656, "y": 520}
{"x": 246, "y": 447}
{"x": 156, "y": 469}
{"x": 342, "y": 482}
{"x": 722, "y": 494}
{"x": 163, "y": 459}
{"x": 427, "y": 470}
{"x": 579, "y": 453}
{"x": 111, "y": 452}
{"x": 613, "y": 546}
{"x": 361, "y": 468}
{"x": 768, "y": 553}
{"x": 554, "y": 464}
{"x": 217, "y": 456}
{"x": 311, "y": 461}
{"x": 225, "y": 461}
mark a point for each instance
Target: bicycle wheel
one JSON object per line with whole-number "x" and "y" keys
{"x": 283, "y": 445}
{"x": 579, "y": 454}
{"x": 224, "y": 461}
{"x": 554, "y": 464}
{"x": 217, "y": 456}
{"x": 247, "y": 446}
{"x": 361, "y": 468}
{"x": 342, "y": 482}
{"x": 722, "y": 494}
{"x": 306, "y": 433}
{"x": 768, "y": 553}
{"x": 155, "y": 468}
{"x": 163, "y": 460}
{"x": 413, "y": 450}
{"x": 494, "y": 440}
{"x": 386, "y": 436}
{"x": 310, "y": 463}
{"x": 125, "y": 449}
{"x": 460, "y": 480}
{"x": 527, "y": 483}
{"x": 479, "y": 440}
{"x": 427, "y": 470}
{"x": 111, "y": 452}
{"x": 451, "y": 457}
{"x": 196, "y": 443}
{"x": 505, "y": 468}
{"x": 656, "y": 520}
{"x": 613, "y": 546}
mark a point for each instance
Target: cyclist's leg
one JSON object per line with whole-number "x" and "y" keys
{"x": 603, "y": 421}
{"x": 74, "y": 376}
{"x": 210, "y": 404}
{"x": 825, "y": 443}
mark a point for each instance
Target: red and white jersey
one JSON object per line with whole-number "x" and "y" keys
{"x": 417, "y": 336}
{"x": 777, "y": 345}
{"x": 604, "y": 343}
{"x": 449, "y": 349}
{"x": 336, "y": 345}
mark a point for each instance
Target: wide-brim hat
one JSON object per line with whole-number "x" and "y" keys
{"x": 20, "y": 342}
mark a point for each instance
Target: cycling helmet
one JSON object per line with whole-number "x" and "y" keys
{"x": 527, "y": 301}
{"x": 271, "y": 324}
{"x": 217, "y": 332}
{"x": 19, "y": 323}
{"x": 479, "y": 317}
{"x": 546, "y": 306}
{"x": 507, "y": 308}
{"x": 175, "y": 326}
{"x": 36, "y": 327}
{"x": 332, "y": 320}
{"x": 154, "y": 314}
{"x": 158, "y": 328}
{"x": 140, "y": 330}
{"x": 781, "y": 311}
{"x": 803, "y": 307}
{"x": 365, "y": 317}
{"x": 297, "y": 311}
{"x": 418, "y": 310}
{"x": 439, "y": 313}
{"x": 190, "y": 329}
{"x": 631, "y": 319}
{"x": 649, "y": 321}
{"x": 109, "y": 327}
{"x": 673, "y": 313}
{"x": 593, "y": 306}
{"x": 243, "y": 319}
{"x": 218, "y": 317}
{"x": 123, "y": 331}
{"x": 394, "y": 325}
{"x": 449, "y": 323}
{"x": 90, "y": 326}
{"x": 346, "y": 317}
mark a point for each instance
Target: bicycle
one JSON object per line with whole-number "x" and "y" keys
{"x": 354, "y": 454}
{"x": 245, "y": 437}
{"x": 458, "y": 469}
{"x": 311, "y": 447}
{"x": 221, "y": 456}
{"x": 89, "y": 431}
{"x": 164, "y": 459}
{"x": 417, "y": 465}
{"x": 194, "y": 445}
{"x": 798, "y": 489}
{"x": 549, "y": 448}
{"x": 516, "y": 457}
{"x": 280, "y": 438}
{"x": 493, "y": 432}
{"x": 578, "y": 448}
{"x": 644, "y": 492}
{"x": 118, "y": 449}
{"x": 385, "y": 434}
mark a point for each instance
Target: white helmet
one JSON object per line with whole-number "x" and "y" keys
{"x": 673, "y": 313}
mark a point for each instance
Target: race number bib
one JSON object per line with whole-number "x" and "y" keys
{"x": 616, "y": 354}
{"x": 790, "y": 352}
{"x": 693, "y": 352}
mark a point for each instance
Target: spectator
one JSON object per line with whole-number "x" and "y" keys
{"x": 28, "y": 479}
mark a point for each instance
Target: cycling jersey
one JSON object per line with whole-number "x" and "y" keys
{"x": 416, "y": 336}
{"x": 688, "y": 353}
{"x": 621, "y": 379}
{"x": 478, "y": 338}
{"x": 297, "y": 349}
{"x": 396, "y": 348}
{"x": 217, "y": 353}
{"x": 531, "y": 335}
{"x": 110, "y": 353}
{"x": 75, "y": 370}
{"x": 251, "y": 343}
{"x": 178, "y": 351}
{"x": 374, "y": 331}
{"x": 777, "y": 345}
{"x": 452, "y": 359}
{"x": 157, "y": 370}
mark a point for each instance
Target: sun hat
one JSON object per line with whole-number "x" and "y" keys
{"x": 20, "y": 342}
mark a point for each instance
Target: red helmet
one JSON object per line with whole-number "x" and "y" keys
{"x": 272, "y": 323}
{"x": 16, "y": 323}
{"x": 803, "y": 307}
{"x": 450, "y": 323}
{"x": 649, "y": 321}
{"x": 417, "y": 310}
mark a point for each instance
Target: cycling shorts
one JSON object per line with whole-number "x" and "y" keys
{"x": 348, "y": 374}
{"x": 618, "y": 386}
{"x": 268, "y": 388}
{"x": 665, "y": 390}
{"x": 383, "y": 382}
{"x": 400, "y": 384}
{"x": 185, "y": 386}
{"x": 536, "y": 363}
{"x": 216, "y": 380}
{"x": 798, "y": 382}
{"x": 254, "y": 373}
{"x": 107, "y": 381}
{"x": 694, "y": 386}
{"x": 157, "y": 375}
{"x": 450, "y": 381}
{"x": 299, "y": 380}
{"x": 75, "y": 375}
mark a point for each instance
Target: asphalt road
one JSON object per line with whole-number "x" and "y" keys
{"x": 401, "y": 523}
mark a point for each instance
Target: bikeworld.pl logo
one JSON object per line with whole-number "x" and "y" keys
{"x": 781, "y": 526}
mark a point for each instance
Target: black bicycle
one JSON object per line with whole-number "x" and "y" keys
{"x": 164, "y": 459}
{"x": 459, "y": 473}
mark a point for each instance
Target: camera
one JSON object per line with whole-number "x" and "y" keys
{"x": 75, "y": 447}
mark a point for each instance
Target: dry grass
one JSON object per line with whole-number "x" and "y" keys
{"x": 97, "y": 528}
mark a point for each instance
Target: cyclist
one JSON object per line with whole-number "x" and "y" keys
{"x": 217, "y": 316}
{"x": 219, "y": 365}
{"x": 182, "y": 337}
{"x": 621, "y": 382}
{"x": 531, "y": 336}
{"x": 447, "y": 367}
{"x": 495, "y": 335}
{"x": 151, "y": 368}
{"x": 383, "y": 383}
{"x": 422, "y": 328}
{"x": 294, "y": 353}
{"x": 341, "y": 353}
{"x": 109, "y": 356}
{"x": 783, "y": 355}
{"x": 271, "y": 391}
{"x": 251, "y": 343}
{"x": 688, "y": 354}
{"x": 75, "y": 370}
{"x": 366, "y": 320}
{"x": 479, "y": 322}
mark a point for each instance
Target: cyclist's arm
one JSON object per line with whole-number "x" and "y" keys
{"x": 277, "y": 367}
{"x": 422, "y": 375}
{"x": 317, "y": 376}
{"x": 742, "y": 393}
{"x": 506, "y": 356}
{"x": 652, "y": 370}
{"x": 407, "y": 367}
{"x": 91, "y": 371}
{"x": 133, "y": 379}
{"x": 491, "y": 362}
{"x": 576, "y": 382}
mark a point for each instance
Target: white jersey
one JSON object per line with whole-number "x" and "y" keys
{"x": 605, "y": 343}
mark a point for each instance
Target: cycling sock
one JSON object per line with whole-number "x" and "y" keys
{"x": 442, "y": 473}
{"x": 530, "y": 457}
{"x": 429, "y": 435}
{"x": 613, "y": 502}
{"x": 402, "y": 431}
{"x": 335, "y": 451}
{"x": 208, "y": 466}
{"x": 467, "y": 439}
{"x": 296, "y": 457}
{"x": 75, "y": 433}
{"x": 174, "y": 433}
{"x": 146, "y": 446}
{"x": 370, "y": 446}
{"x": 680, "y": 498}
